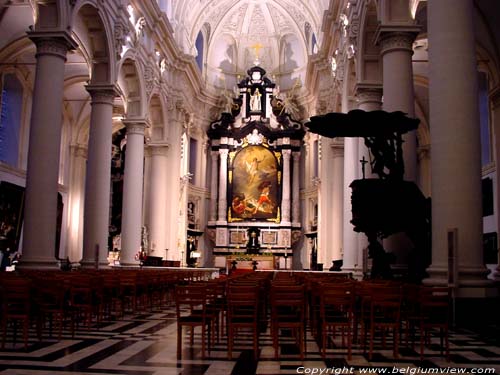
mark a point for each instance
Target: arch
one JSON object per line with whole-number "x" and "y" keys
{"x": 48, "y": 16}
{"x": 369, "y": 67}
{"x": 292, "y": 59}
{"x": 94, "y": 33}
{"x": 11, "y": 118}
{"x": 156, "y": 118}
{"x": 132, "y": 88}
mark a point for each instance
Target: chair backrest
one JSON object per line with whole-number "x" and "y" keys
{"x": 337, "y": 299}
{"x": 243, "y": 301}
{"x": 435, "y": 303}
{"x": 190, "y": 299}
{"x": 385, "y": 302}
{"x": 16, "y": 296}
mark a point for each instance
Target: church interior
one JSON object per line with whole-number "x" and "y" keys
{"x": 249, "y": 186}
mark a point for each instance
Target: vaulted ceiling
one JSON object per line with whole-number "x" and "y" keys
{"x": 285, "y": 31}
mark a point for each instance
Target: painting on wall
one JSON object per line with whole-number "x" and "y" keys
{"x": 11, "y": 215}
{"x": 255, "y": 184}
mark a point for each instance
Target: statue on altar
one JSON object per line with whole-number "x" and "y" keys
{"x": 253, "y": 245}
{"x": 255, "y": 101}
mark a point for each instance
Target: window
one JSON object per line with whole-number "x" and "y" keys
{"x": 193, "y": 152}
{"x": 10, "y": 119}
{"x": 200, "y": 43}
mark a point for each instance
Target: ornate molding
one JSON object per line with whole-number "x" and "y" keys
{"x": 424, "y": 152}
{"x": 79, "y": 151}
{"x": 158, "y": 149}
{"x": 396, "y": 38}
{"x": 102, "y": 94}
{"x": 337, "y": 149}
{"x": 135, "y": 126}
{"x": 495, "y": 97}
{"x": 52, "y": 43}
{"x": 369, "y": 94}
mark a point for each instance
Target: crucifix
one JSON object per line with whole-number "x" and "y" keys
{"x": 257, "y": 47}
{"x": 363, "y": 162}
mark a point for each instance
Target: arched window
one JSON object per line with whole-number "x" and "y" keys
{"x": 200, "y": 44}
{"x": 10, "y": 118}
{"x": 314, "y": 44}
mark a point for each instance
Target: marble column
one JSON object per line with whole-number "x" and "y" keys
{"x": 132, "y": 191}
{"x": 396, "y": 49}
{"x": 76, "y": 201}
{"x": 455, "y": 144}
{"x": 296, "y": 189}
{"x": 98, "y": 177}
{"x": 285, "y": 200}
{"x": 424, "y": 161}
{"x": 369, "y": 99}
{"x": 337, "y": 149}
{"x": 213, "y": 187}
{"x": 40, "y": 210}
{"x": 495, "y": 107}
{"x": 222, "y": 209}
{"x": 158, "y": 199}
{"x": 353, "y": 261}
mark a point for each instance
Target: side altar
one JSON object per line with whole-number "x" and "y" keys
{"x": 255, "y": 156}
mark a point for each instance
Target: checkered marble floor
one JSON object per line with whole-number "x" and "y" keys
{"x": 145, "y": 343}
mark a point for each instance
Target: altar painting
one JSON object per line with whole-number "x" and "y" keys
{"x": 255, "y": 185}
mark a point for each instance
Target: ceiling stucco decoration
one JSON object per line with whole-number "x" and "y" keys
{"x": 278, "y": 27}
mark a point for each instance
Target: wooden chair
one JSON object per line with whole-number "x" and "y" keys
{"x": 243, "y": 313}
{"x": 191, "y": 308}
{"x": 337, "y": 310}
{"x": 385, "y": 314}
{"x": 434, "y": 313}
{"x": 288, "y": 312}
{"x": 51, "y": 296}
{"x": 16, "y": 306}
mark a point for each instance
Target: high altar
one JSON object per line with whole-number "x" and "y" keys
{"x": 255, "y": 149}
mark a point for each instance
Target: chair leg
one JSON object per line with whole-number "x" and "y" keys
{"x": 275, "y": 331}
{"x": 229, "y": 342}
{"x": 372, "y": 334}
{"x": 396, "y": 342}
{"x": 179, "y": 341}
{"x": 203, "y": 338}
{"x": 26, "y": 334}
{"x": 422, "y": 335}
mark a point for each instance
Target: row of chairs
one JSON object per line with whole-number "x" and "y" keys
{"x": 56, "y": 299}
{"x": 360, "y": 311}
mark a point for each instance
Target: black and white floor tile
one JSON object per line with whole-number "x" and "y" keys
{"x": 145, "y": 344}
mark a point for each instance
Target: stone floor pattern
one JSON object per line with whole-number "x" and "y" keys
{"x": 145, "y": 343}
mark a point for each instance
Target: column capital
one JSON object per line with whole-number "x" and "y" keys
{"x": 215, "y": 154}
{"x": 296, "y": 156}
{"x": 286, "y": 152}
{"x": 135, "y": 125}
{"x": 369, "y": 93}
{"x": 223, "y": 152}
{"x": 102, "y": 93}
{"x": 424, "y": 152}
{"x": 337, "y": 149}
{"x": 56, "y": 43}
{"x": 158, "y": 149}
{"x": 495, "y": 97}
{"x": 79, "y": 151}
{"x": 396, "y": 38}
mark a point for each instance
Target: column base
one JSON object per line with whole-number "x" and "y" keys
{"x": 467, "y": 277}
{"x": 102, "y": 264}
{"x": 40, "y": 264}
{"x": 357, "y": 273}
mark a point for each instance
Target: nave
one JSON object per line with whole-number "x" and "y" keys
{"x": 143, "y": 341}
